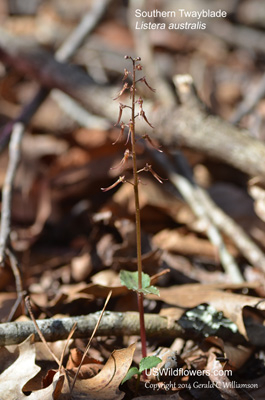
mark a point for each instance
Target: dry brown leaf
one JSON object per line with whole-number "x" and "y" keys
{"x": 105, "y": 385}
{"x": 81, "y": 267}
{"x": 51, "y": 392}
{"x": 236, "y": 355}
{"x": 7, "y": 357}
{"x": 108, "y": 277}
{"x": 183, "y": 271}
{"x": 172, "y": 240}
{"x": 102, "y": 291}
{"x": 89, "y": 368}
{"x": 88, "y": 371}
{"x": 20, "y": 372}
{"x": 219, "y": 379}
{"x": 231, "y": 304}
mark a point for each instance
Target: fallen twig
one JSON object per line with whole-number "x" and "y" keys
{"x": 116, "y": 324}
{"x": 14, "y": 157}
{"x": 112, "y": 323}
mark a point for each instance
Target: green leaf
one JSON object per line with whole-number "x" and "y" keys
{"x": 130, "y": 280}
{"x": 146, "y": 280}
{"x": 149, "y": 362}
{"x": 150, "y": 290}
{"x": 132, "y": 371}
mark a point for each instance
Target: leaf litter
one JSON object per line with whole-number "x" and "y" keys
{"x": 102, "y": 386}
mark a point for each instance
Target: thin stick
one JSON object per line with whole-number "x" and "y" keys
{"x": 19, "y": 286}
{"x": 15, "y": 268}
{"x": 72, "y": 331}
{"x": 14, "y": 158}
{"x": 90, "y": 340}
{"x": 27, "y": 301}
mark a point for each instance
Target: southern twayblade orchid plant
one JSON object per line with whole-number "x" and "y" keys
{"x": 137, "y": 281}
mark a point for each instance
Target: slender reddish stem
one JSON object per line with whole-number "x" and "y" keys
{"x": 137, "y": 220}
{"x": 142, "y": 325}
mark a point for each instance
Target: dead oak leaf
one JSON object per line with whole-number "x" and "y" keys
{"x": 219, "y": 378}
{"x": 53, "y": 391}
{"x": 20, "y": 372}
{"x": 105, "y": 385}
{"x": 231, "y": 304}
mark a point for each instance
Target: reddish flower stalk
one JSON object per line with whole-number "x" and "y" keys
{"x": 137, "y": 213}
{"x": 131, "y": 137}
